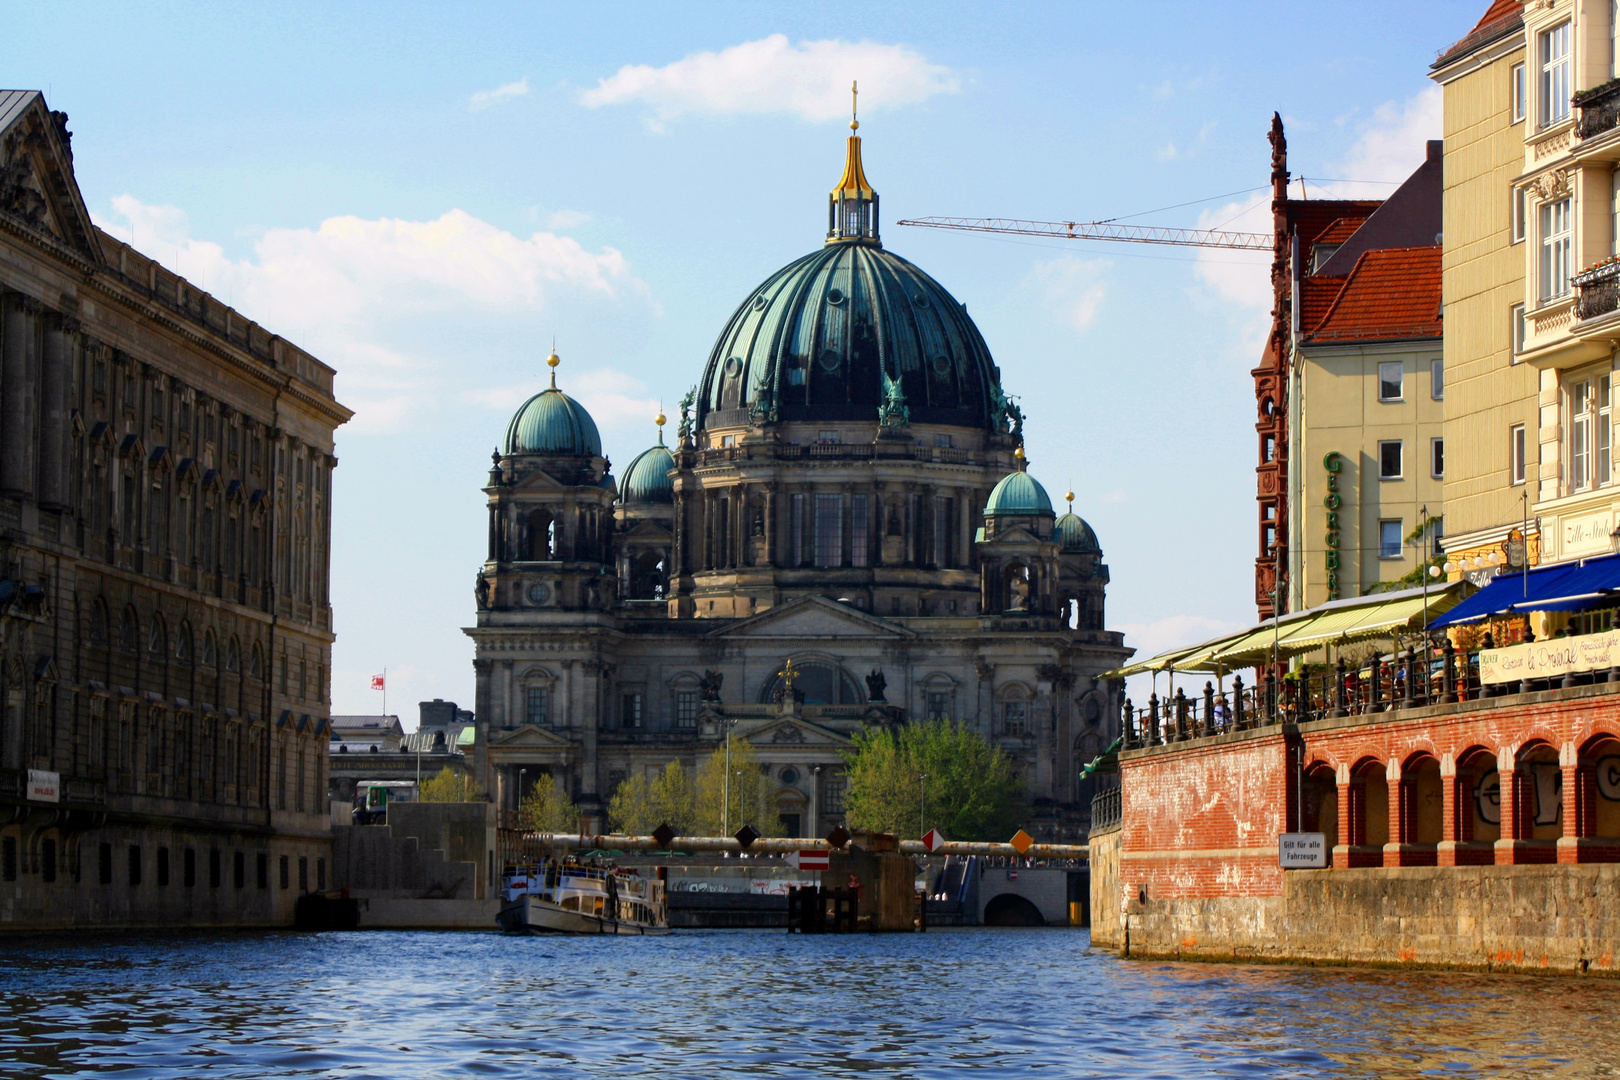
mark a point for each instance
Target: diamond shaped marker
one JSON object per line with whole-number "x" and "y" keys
{"x": 1021, "y": 841}
{"x": 664, "y": 835}
{"x": 932, "y": 840}
{"x": 838, "y": 837}
{"x": 746, "y": 836}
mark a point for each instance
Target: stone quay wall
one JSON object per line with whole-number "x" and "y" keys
{"x": 1477, "y": 834}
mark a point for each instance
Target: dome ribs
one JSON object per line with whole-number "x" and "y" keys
{"x": 890, "y": 317}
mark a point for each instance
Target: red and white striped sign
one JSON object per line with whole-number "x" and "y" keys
{"x": 806, "y": 860}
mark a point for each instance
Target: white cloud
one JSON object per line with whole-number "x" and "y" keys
{"x": 810, "y": 80}
{"x": 1070, "y": 286}
{"x": 373, "y": 298}
{"x": 483, "y": 99}
{"x": 567, "y": 219}
{"x": 1117, "y": 496}
{"x": 1389, "y": 147}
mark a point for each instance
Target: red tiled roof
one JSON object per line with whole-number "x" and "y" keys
{"x": 1316, "y": 296}
{"x": 1502, "y": 17}
{"x": 1340, "y": 231}
{"x": 1393, "y": 293}
{"x": 1310, "y": 218}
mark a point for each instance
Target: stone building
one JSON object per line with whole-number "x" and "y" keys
{"x": 165, "y": 626}
{"x": 847, "y": 491}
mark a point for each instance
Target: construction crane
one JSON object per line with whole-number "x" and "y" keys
{"x": 1101, "y": 230}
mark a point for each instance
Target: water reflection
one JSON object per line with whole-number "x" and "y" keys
{"x": 992, "y": 1002}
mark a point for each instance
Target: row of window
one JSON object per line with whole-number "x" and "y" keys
{"x": 52, "y": 864}
{"x": 1392, "y": 380}
{"x": 1392, "y": 459}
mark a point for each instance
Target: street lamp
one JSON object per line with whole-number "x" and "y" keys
{"x": 922, "y": 805}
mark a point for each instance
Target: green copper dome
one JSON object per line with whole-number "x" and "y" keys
{"x": 1074, "y": 534}
{"x": 647, "y": 479}
{"x": 551, "y": 422}
{"x": 1018, "y": 493}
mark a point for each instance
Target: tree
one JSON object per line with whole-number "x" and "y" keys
{"x": 971, "y": 793}
{"x": 451, "y": 786}
{"x": 640, "y": 805}
{"x": 548, "y": 809}
{"x": 752, "y": 799}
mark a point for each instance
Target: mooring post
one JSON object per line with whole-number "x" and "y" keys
{"x": 1340, "y": 698}
{"x": 1407, "y": 700}
{"x": 1237, "y": 703}
{"x": 1209, "y": 708}
{"x": 1153, "y": 718}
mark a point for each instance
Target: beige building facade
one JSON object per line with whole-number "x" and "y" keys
{"x": 165, "y": 625}
{"x": 1532, "y": 121}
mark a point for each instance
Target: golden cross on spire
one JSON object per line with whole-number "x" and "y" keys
{"x": 787, "y": 675}
{"x": 854, "y": 100}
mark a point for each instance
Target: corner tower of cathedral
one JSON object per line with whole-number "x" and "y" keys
{"x": 847, "y": 488}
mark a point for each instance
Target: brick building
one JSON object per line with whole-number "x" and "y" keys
{"x": 165, "y": 626}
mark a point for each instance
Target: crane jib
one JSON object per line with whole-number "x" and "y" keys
{"x": 1092, "y": 230}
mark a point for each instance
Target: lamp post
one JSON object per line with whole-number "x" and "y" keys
{"x": 519, "y": 799}
{"x": 922, "y": 804}
{"x": 815, "y": 800}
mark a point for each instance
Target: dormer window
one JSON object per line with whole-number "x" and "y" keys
{"x": 1320, "y": 254}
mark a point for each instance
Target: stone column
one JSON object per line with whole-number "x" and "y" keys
{"x": 1517, "y": 824}
{"x": 1341, "y": 849}
{"x": 506, "y": 714}
{"x": 590, "y": 717}
{"x": 964, "y": 519}
{"x": 482, "y": 720}
{"x": 1579, "y": 803}
{"x": 771, "y": 555}
{"x": 53, "y": 409}
{"x": 1402, "y": 826}
{"x": 18, "y": 444}
{"x": 1451, "y": 829}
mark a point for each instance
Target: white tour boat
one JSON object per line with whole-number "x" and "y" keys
{"x": 570, "y": 898}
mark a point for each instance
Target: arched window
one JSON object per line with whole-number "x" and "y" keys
{"x": 157, "y": 641}
{"x": 209, "y": 655}
{"x": 820, "y": 683}
{"x": 1019, "y": 590}
{"x": 182, "y": 643}
{"x": 256, "y": 662}
{"x": 233, "y": 656}
{"x": 542, "y": 535}
{"x": 129, "y": 631}
{"x": 1014, "y": 709}
{"x": 98, "y": 622}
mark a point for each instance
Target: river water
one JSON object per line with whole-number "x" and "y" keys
{"x": 984, "y": 1002}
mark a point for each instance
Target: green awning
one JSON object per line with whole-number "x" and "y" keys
{"x": 1105, "y": 762}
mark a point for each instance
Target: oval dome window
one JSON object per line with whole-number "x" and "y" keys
{"x": 539, "y": 594}
{"x": 733, "y": 368}
{"x": 830, "y": 359}
{"x": 919, "y": 299}
{"x": 759, "y": 303}
{"x": 942, "y": 366}
{"x": 835, "y": 297}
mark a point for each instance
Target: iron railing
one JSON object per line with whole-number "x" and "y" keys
{"x": 1597, "y": 290}
{"x": 1600, "y": 109}
{"x": 1106, "y": 808}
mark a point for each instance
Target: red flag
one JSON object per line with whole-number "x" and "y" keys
{"x": 377, "y": 682}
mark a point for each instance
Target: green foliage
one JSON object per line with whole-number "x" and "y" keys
{"x": 640, "y": 805}
{"x": 971, "y": 792}
{"x": 751, "y": 794}
{"x": 1427, "y": 528}
{"x": 450, "y": 786}
{"x": 548, "y": 809}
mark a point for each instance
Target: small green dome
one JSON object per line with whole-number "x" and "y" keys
{"x": 1018, "y": 493}
{"x": 647, "y": 479}
{"x": 1074, "y": 534}
{"x": 551, "y": 422}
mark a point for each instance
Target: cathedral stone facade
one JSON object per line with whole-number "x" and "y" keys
{"x": 165, "y": 630}
{"x": 846, "y": 491}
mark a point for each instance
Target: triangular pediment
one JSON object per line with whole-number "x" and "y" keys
{"x": 645, "y": 530}
{"x": 791, "y": 731}
{"x": 813, "y": 617}
{"x": 527, "y": 737}
{"x": 1016, "y": 535}
{"x": 37, "y": 186}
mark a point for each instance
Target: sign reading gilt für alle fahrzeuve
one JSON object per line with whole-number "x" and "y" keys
{"x": 1332, "y": 463}
{"x": 1302, "y": 851}
{"x": 1551, "y": 658}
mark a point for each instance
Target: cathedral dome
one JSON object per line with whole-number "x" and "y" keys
{"x": 551, "y": 422}
{"x": 816, "y": 339}
{"x": 1018, "y": 493}
{"x": 647, "y": 479}
{"x": 1074, "y": 534}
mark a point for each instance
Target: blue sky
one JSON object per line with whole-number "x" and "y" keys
{"x": 424, "y": 196}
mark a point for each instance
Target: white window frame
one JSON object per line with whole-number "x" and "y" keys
{"x": 1516, "y": 455}
{"x": 1517, "y": 89}
{"x": 1516, "y": 329}
{"x": 1400, "y": 539}
{"x": 1554, "y": 89}
{"x": 1580, "y": 435}
{"x": 1400, "y": 451}
{"x": 1614, "y": 208}
{"x": 1517, "y": 211}
{"x": 1437, "y": 380}
{"x": 1437, "y": 458}
{"x": 1605, "y": 430}
{"x": 1557, "y": 249}
{"x": 1400, "y": 380}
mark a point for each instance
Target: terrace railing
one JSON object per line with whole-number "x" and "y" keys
{"x": 1597, "y": 290}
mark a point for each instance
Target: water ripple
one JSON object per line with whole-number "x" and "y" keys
{"x": 706, "y": 1005}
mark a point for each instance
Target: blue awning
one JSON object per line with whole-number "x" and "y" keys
{"x": 1572, "y": 586}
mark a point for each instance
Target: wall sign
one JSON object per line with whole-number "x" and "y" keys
{"x": 1333, "y": 463}
{"x": 1302, "y": 851}
{"x": 44, "y": 786}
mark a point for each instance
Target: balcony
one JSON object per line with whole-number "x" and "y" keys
{"x": 1600, "y": 110}
{"x": 1597, "y": 292}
